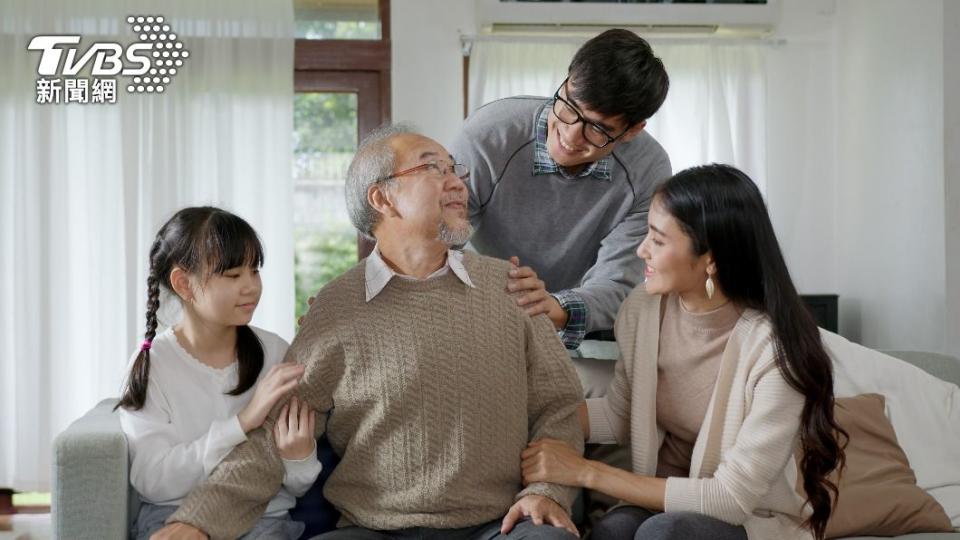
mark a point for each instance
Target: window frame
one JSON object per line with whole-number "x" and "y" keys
{"x": 361, "y": 66}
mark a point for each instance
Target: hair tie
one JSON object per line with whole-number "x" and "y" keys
{"x": 146, "y": 345}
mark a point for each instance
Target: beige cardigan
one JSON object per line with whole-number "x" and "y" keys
{"x": 742, "y": 469}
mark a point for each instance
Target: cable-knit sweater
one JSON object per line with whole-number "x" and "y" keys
{"x": 434, "y": 389}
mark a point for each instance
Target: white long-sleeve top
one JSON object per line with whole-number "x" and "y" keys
{"x": 188, "y": 424}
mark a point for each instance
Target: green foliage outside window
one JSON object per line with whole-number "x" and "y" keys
{"x": 319, "y": 29}
{"x": 325, "y": 122}
{"x": 324, "y": 140}
{"x": 319, "y": 258}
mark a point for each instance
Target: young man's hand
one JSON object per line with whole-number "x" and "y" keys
{"x": 540, "y": 510}
{"x": 532, "y": 295}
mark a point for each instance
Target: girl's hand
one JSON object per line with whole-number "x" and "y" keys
{"x": 549, "y": 460}
{"x": 293, "y": 431}
{"x": 276, "y": 385}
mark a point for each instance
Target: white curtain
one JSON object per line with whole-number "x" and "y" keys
{"x": 714, "y": 111}
{"x": 84, "y": 188}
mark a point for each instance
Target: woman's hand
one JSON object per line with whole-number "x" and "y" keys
{"x": 293, "y": 431}
{"x": 276, "y": 385}
{"x": 549, "y": 460}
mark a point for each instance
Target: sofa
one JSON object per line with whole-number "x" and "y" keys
{"x": 92, "y": 497}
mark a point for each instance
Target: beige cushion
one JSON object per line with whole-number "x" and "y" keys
{"x": 878, "y": 490}
{"x": 924, "y": 412}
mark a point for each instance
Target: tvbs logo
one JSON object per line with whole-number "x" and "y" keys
{"x": 150, "y": 63}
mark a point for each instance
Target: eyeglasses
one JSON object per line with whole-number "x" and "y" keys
{"x": 568, "y": 114}
{"x": 436, "y": 169}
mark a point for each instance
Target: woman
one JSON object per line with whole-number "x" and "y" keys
{"x": 722, "y": 379}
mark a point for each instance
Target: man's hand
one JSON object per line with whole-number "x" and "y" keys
{"x": 179, "y": 531}
{"x": 540, "y": 510}
{"x": 556, "y": 462}
{"x": 533, "y": 296}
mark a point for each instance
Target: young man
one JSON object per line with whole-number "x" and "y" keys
{"x": 564, "y": 183}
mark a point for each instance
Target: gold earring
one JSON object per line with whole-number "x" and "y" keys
{"x": 710, "y": 287}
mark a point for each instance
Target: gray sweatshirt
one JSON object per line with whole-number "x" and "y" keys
{"x": 578, "y": 234}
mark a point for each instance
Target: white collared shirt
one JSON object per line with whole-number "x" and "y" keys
{"x": 378, "y": 272}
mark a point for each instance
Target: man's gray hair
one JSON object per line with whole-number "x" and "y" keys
{"x": 373, "y": 161}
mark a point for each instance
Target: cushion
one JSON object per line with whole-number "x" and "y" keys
{"x": 878, "y": 490}
{"x": 924, "y": 412}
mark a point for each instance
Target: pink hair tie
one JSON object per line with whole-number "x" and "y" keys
{"x": 146, "y": 345}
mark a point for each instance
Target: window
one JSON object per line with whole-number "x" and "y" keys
{"x": 342, "y": 85}
{"x": 325, "y": 139}
{"x": 337, "y": 19}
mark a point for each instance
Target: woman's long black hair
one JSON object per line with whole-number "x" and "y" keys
{"x": 203, "y": 241}
{"x": 723, "y": 212}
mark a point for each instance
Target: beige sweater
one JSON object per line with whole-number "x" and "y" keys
{"x": 434, "y": 389}
{"x": 742, "y": 469}
{"x": 691, "y": 349}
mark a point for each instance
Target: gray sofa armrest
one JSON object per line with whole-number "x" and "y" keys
{"x": 941, "y": 366}
{"x": 91, "y": 495}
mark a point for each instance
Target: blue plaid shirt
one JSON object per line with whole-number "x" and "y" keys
{"x": 572, "y": 334}
{"x": 575, "y": 330}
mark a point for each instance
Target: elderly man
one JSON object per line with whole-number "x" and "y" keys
{"x": 435, "y": 380}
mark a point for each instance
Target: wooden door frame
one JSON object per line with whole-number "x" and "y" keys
{"x": 350, "y": 65}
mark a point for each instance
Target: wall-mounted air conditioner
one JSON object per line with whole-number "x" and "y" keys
{"x": 710, "y": 16}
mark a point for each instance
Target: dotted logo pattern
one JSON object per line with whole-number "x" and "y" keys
{"x": 167, "y": 56}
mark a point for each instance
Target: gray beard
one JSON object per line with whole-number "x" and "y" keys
{"x": 454, "y": 237}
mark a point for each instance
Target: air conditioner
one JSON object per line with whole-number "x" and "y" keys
{"x": 586, "y": 16}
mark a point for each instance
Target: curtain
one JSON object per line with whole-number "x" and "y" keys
{"x": 714, "y": 111}
{"x": 85, "y": 187}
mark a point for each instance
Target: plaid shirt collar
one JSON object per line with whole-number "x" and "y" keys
{"x": 544, "y": 164}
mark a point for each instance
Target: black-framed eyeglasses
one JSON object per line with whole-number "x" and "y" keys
{"x": 568, "y": 114}
{"x": 435, "y": 168}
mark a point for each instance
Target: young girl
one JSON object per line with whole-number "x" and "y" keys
{"x": 722, "y": 381}
{"x": 195, "y": 390}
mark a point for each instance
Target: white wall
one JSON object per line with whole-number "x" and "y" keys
{"x": 951, "y": 105}
{"x": 801, "y": 143}
{"x": 890, "y": 209}
{"x": 856, "y": 144}
{"x": 857, "y": 154}
{"x": 427, "y": 82}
